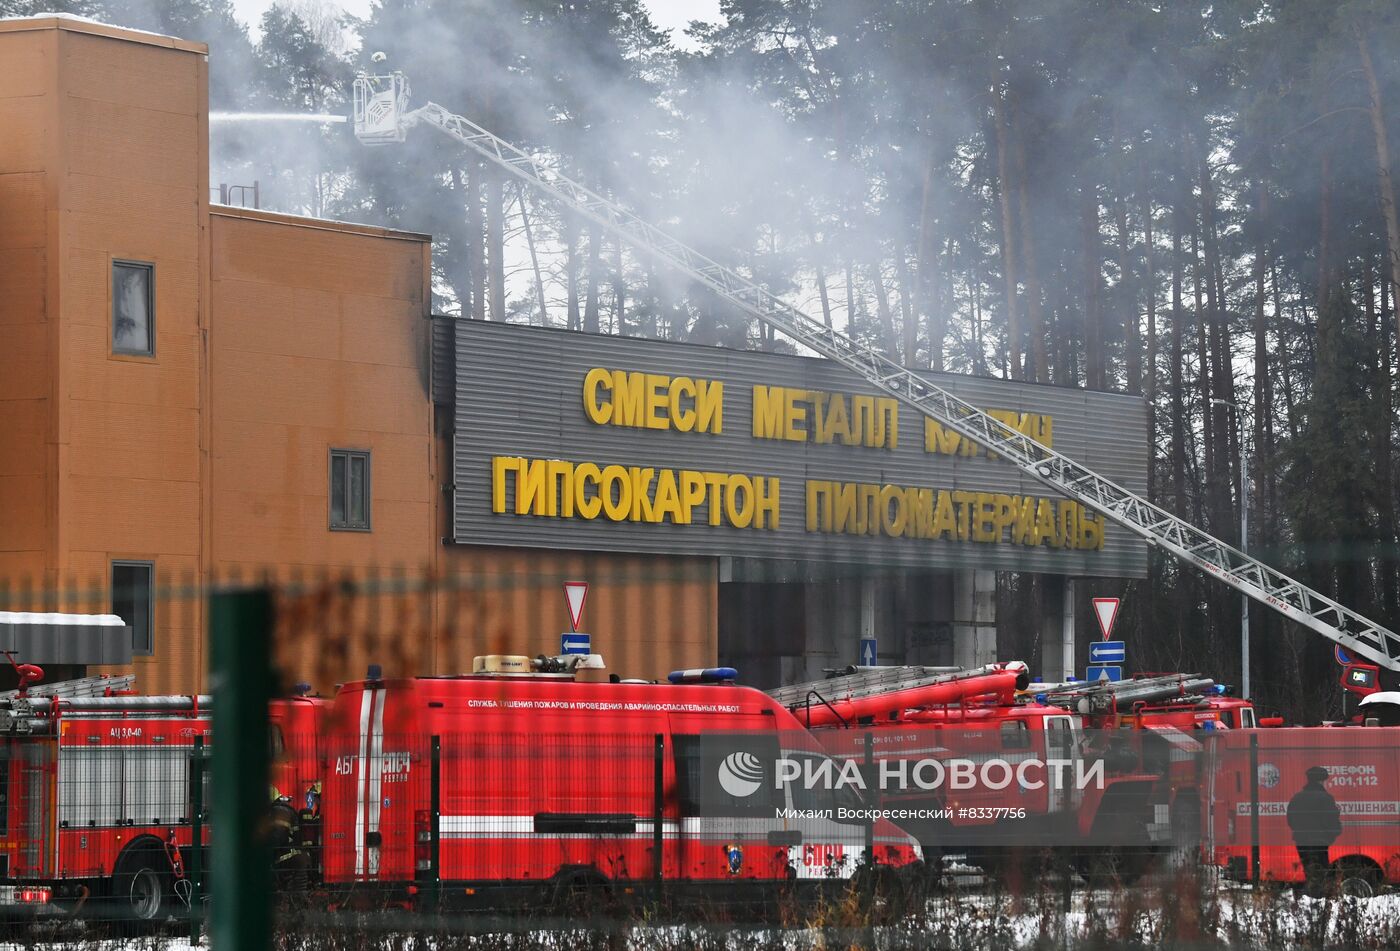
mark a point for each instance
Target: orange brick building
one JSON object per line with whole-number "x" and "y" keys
{"x": 189, "y": 390}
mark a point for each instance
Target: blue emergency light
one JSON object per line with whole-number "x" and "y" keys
{"x": 703, "y": 675}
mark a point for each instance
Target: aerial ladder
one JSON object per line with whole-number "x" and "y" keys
{"x": 1100, "y": 697}
{"x": 382, "y": 116}
{"x": 884, "y": 693}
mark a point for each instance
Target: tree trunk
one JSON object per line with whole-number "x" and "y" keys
{"x": 1008, "y": 237}
{"x": 1384, "y": 179}
{"x": 653, "y": 326}
{"x": 1282, "y": 358}
{"x": 1149, "y": 377}
{"x": 571, "y": 236}
{"x": 620, "y": 293}
{"x": 1324, "y": 238}
{"x": 850, "y": 297}
{"x": 1095, "y": 376}
{"x": 927, "y": 270}
{"x": 1068, "y": 338}
{"x": 882, "y": 308}
{"x": 459, "y": 261}
{"x": 1391, "y": 580}
{"x": 1379, "y": 330}
{"x": 906, "y": 310}
{"x": 979, "y": 357}
{"x": 1203, "y": 389}
{"x": 495, "y": 242}
{"x": 1038, "y": 364}
{"x": 819, "y": 264}
{"x": 1227, "y": 449}
{"x": 476, "y": 246}
{"x": 590, "y": 301}
{"x": 534, "y": 257}
{"x": 1263, "y": 378}
{"x": 1127, "y": 285}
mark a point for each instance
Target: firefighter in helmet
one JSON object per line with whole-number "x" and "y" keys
{"x": 290, "y": 863}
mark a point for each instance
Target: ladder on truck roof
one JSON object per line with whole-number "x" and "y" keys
{"x": 83, "y": 687}
{"x": 1104, "y": 696}
{"x": 871, "y": 682}
{"x": 381, "y": 115}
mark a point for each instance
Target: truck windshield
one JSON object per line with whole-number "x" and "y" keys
{"x": 820, "y": 790}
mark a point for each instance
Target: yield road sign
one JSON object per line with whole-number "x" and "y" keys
{"x": 1098, "y": 673}
{"x": 868, "y": 653}
{"x": 575, "y": 643}
{"x": 1107, "y": 652}
{"x": 575, "y": 592}
{"x": 1106, "y": 610}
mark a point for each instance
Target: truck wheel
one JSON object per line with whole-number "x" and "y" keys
{"x": 1357, "y": 878}
{"x": 881, "y": 894}
{"x": 580, "y": 891}
{"x": 139, "y": 888}
{"x": 1111, "y": 867}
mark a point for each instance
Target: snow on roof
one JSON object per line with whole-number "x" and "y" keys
{"x": 36, "y": 617}
{"x": 76, "y": 18}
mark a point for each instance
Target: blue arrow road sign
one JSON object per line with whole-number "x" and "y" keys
{"x": 575, "y": 644}
{"x": 1097, "y": 672}
{"x": 1106, "y": 652}
{"x": 868, "y": 654}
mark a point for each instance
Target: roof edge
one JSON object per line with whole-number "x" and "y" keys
{"x": 76, "y": 24}
{"x": 316, "y": 224}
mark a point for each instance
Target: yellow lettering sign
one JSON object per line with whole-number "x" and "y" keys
{"x": 799, "y": 415}
{"x": 653, "y": 401}
{"x": 555, "y": 488}
{"x": 948, "y": 442}
{"x": 893, "y": 511}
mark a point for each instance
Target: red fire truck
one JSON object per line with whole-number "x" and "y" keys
{"x": 1261, "y": 770}
{"x": 515, "y": 784}
{"x": 1170, "y": 716}
{"x": 96, "y": 795}
{"x": 909, "y": 713}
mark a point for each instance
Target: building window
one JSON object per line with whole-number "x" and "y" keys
{"x": 133, "y": 596}
{"x": 349, "y": 490}
{"x": 133, "y": 308}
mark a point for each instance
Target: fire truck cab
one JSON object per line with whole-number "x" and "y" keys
{"x": 500, "y": 787}
{"x": 95, "y": 804}
{"x": 1110, "y": 826}
{"x": 97, "y": 798}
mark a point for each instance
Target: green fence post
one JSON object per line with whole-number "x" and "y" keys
{"x": 196, "y": 870}
{"x": 241, "y": 883}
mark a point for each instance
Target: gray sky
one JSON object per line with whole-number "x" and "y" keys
{"x": 671, "y": 15}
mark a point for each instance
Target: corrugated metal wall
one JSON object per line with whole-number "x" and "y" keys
{"x": 520, "y": 393}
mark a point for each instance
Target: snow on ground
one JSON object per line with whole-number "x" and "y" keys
{"x": 1234, "y": 918}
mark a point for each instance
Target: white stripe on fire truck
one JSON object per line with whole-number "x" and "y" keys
{"x": 376, "y": 774}
{"x": 516, "y": 827}
{"x": 360, "y": 784}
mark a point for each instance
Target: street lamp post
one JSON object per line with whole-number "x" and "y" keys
{"x": 1244, "y": 543}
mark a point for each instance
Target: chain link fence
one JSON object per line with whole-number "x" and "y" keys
{"x": 396, "y": 758}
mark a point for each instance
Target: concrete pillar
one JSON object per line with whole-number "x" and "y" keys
{"x": 868, "y": 588}
{"x": 974, "y": 618}
{"x": 1057, "y": 630}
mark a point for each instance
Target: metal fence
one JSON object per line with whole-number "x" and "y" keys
{"x": 349, "y": 782}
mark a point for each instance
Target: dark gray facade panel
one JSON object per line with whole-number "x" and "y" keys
{"x": 443, "y": 363}
{"x": 40, "y": 642}
{"x": 520, "y": 393}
